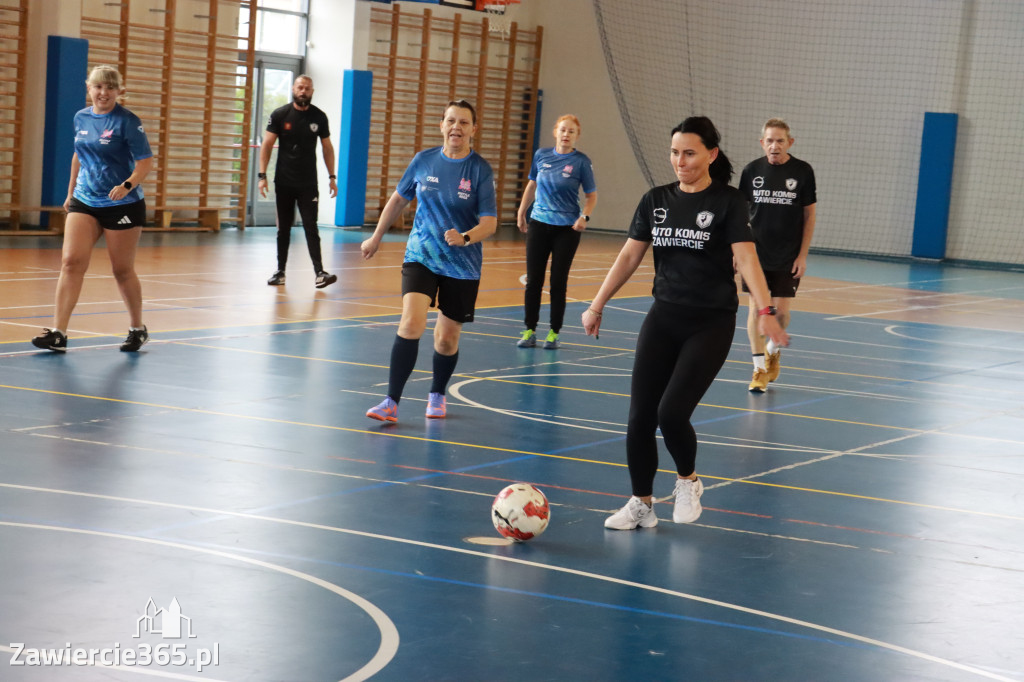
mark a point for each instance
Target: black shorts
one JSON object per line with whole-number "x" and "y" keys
{"x": 121, "y": 217}
{"x": 781, "y": 283}
{"x": 455, "y": 298}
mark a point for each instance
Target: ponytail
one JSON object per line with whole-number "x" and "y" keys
{"x": 721, "y": 168}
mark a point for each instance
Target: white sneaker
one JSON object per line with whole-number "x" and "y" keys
{"x": 635, "y": 513}
{"x": 687, "y": 508}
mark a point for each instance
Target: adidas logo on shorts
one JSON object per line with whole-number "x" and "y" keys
{"x": 125, "y": 220}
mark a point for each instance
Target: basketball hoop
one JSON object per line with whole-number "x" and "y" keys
{"x": 499, "y": 20}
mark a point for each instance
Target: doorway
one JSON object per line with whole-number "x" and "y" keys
{"x": 273, "y": 88}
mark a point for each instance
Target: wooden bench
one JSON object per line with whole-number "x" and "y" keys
{"x": 56, "y": 214}
{"x": 207, "y": 217}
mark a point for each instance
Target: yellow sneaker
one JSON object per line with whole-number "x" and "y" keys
{"x": 773, "y": 363}
{"x": 760, "y": 381}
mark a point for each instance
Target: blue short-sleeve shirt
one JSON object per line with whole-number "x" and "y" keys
{"x": 108, "y": 145}
{"x": 450, "y": 194}
{"x": 559, "y": 178}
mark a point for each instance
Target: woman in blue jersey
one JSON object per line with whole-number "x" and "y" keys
{"x": 698, "y": 228}
{"x": 456, "y": 210}
{"x": 112, "y": 157}
{"x": 554, "y": 225}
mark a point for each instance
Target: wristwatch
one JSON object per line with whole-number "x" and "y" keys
{"x": 587, "y": 218}
{"x": 332, "y": 177}
{"x": 465, "y": 238}
{"x": 127, "y": 185}
{"x": 770, "y": 310}
{"x": 261, "y": 176}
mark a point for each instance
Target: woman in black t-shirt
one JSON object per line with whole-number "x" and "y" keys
{"x": 698, "y": 228}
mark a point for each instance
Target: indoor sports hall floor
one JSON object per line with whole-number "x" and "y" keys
{"x": 863, "y": 519}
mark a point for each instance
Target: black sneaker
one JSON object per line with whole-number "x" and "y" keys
{"x": 324, "y": 279}
{"x": 51, "y": 339}
{"x": 137, "y": 338}
{"x": 276, "y": 279}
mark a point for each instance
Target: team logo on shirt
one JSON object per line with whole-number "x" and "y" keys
{"x": 106, "y": 136}
{"x": 465, "y": 187}
{"x": 141, "y": 130}
{"x": 704, "y": 219}
{"x": 287, "y": 125}
{"x": 660, "y": 214}
{"x": 757, "y": 182}
{"x": 314, "y": 127}
{"x": 790, "y": 184}
{"x": 567, "y": 171}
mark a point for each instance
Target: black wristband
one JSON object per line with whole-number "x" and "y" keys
{"x": 332, "y": 177}
{"x": 261, "y": 176}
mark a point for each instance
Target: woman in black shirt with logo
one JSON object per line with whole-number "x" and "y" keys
{"x": 698, "y": 228}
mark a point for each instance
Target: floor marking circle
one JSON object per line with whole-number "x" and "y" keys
{"x": 475, "y": 553}
{"x": 388, "y": 632}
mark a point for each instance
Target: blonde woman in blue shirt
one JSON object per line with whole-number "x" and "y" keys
{"x": 112, "y": 157}
{"x": 554, "y": 224}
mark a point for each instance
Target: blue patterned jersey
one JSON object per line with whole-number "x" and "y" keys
{"x": 108, "y": 145}
{"x": 450, "y": 194}
{"x": 559, "y": 178}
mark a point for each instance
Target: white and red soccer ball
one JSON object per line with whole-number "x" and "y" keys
{"x": 520, "y": 512}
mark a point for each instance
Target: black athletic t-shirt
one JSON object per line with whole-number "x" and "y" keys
{"x": 692, "y": 237}
{"x": 778, "y": 196}
{"x": 297, "y": 134}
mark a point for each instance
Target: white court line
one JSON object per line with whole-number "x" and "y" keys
{"x": 497, "y": 557}
{"x": 388, "y": 632}
{"x": 892, "y": 329}
{"x": 915, "y": 308}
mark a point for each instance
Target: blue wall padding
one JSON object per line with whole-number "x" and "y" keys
{"x": 66, "y": 70}
{"x": 353, "y": 148}
{"x": 934, "y": 185}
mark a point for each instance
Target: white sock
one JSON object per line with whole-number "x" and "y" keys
{"x": 759, "y": 362}
{"x": 137, "y": 329}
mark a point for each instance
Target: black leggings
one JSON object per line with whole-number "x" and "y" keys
{"x": 678, "y": 353}
{"x": 560, "y": 242}
{"x": 307, "y": 199}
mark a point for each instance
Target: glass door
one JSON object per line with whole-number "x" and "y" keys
{"x": 273, "y": 89}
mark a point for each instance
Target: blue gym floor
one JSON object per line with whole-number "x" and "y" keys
{"x": 863, "y": 519}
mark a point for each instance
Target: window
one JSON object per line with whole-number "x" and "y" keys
{"x": 281, "y": 26}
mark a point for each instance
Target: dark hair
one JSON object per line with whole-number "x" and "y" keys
{"x": 461, "y": 104}
{"x": 702, "y": 127}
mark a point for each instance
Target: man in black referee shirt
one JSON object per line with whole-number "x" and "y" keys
{"x": 297, "y": 126}
{"x": 782, "y": 195}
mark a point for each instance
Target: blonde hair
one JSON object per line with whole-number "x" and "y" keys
{"x": 103, "y": 74}
{"x": 567, "y": 117}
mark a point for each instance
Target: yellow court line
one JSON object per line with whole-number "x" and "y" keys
{"x": 492, "y": 448}
{"x": 368, "y": 318}
{"x": 905, "y": 429}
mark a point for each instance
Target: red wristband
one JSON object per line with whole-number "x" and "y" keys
{"x": 770, "y": 310}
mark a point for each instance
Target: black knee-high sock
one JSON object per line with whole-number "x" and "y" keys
{"x": 403, "y": 361}
{"x": 444, "y": 367}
